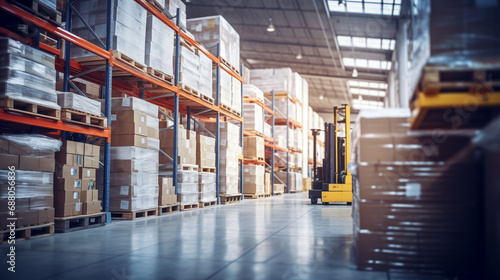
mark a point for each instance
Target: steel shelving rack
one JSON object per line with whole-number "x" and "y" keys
{"x": 173, "y": 97}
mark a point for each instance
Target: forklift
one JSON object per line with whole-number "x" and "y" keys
{"x": 332, "y": 182}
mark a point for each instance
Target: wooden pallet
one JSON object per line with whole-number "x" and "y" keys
{"x": 161, "y": 76}
{"x": 255, "y": 196}
{"x": 23, "y": 107}
{"x": 296, "y": 191}
{"x": 226, "y": 63}
{"x": 254, "y": 159}
{"x": 190, "y": 90}
{"x": 187, "y": 207}
{"x": 187, "y": 167}
{"x": 44, "y": 38}
{"x": 29, "y": 232}
{"x": 168, "y": 209}
{"x": 188, "y": 45}
{"x": 208, "y": 204}
{"x": 278, "y": 193}
{"x": 230, "y": 110}
{"x": 116, "y": 215}
{"x": 69, "y": 224}
{"x": 251, "y": 99}
{"x": 229, "y": 198}
{"x": 295, "y": 150}
{"x": 124, "y": 58}
{"x": 207, "y": 99}
{"x": 83, "y": 118}
{"x": 207, "y": 169}
{"x": 38, "y": 8}
{"x": 156, "y": 5}
{"x": 257, "y": 133}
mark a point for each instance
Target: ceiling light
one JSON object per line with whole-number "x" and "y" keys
{"x": 299, "y": 56}
{"x": 270, "y": 28}
{"x": 321, "y": 97}
{"x": 355, "y": 73}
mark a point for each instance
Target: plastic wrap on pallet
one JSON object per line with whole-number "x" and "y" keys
{"x": 130, "y": 152}
{"x": 38, "y": 91}
{"x": 215, "y": 29}
{"x": 33, "y": 190}
{"x": 34, "y": 144}
{"x": 208, "y": 196}
{"x": 252, "y": 91}
{"x": 298, "y": 181}
{"x": 9, "y": 46}
{"x": 268, "y": 130}
{"x": 298, "y": 139}
{"x": 297, "y": 87}
{"x": 187, "y": 188}
{"x": 129, "y": 27}
{"x": 206, "y": 177}
{"x": 253, "y": 117}
{"x": 134, "y": 204}
{"x": 69, "y": 100}
{"x": 50, "y": 3}
{"x": 171, "y": 7}
{"x": 280, "y": 105}
{"x": 253, "y": 176}
{"x": 280, "y": 132}
{"x": 453, "y": 34}
{"x": 159, "y": 46}
{"x": 225, "y": 88}
{"x": 267, "y": 80}
{"x": 133, "y": 178}
{"x": 189, "y": 68}
{"x": 133, "y": 191}
{"x": 298, "y": 113}
{"x": 131, "y": 104}
{"x": 188, "y": 198}
{"x": 235, "y": 94}
{"x": 207, "y": 188}
{"x": 298, "y": 160}
{"x": 20, "y": 63}
{"x": 205, "y": 84}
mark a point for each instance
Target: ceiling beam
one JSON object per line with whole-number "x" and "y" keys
{"x": 285, "y": 44}
{"x": 363, "y": 77}
{"x": 241, "y": 7}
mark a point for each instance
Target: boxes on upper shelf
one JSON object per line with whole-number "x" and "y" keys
{"x": 186, "y": 143}
{"x": 159, "y": 46}
{"x": 253, "y": 117}
{"x": 69, "y": 100}
{"x": 253, "y": 147}
{"x": 267, "y": 80}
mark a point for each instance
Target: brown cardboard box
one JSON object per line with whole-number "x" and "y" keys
{"x": 46, "y": 215}
{"x": 88, "y": 183}
{"x": 95, "y": 195}
{"x": 252, "y": 188}
{"x": 153, "y": 132}
{"x": 68, "y": 147}
{"x": 91, "y": 207}
{"x": 254, "y": 147}
{"x": 67, "y": 184}
{"x": 307, "y": 183}
{"x": 4, "y": 146}
{"x": 267, "y": 182}
{"x": 67, "y": 171}
{"x": 7, "y": 160}
{"x": 92, "y": 150}
{"x": 66, "y": 196}
{"x": 376, "y": 149}
{"x": 16, "y": 149}
{"x": 79, "y": 148}
{"x": 128, "y": 117}
{"x": 27, "y": 218}
{"x": 41, "y": 202}
{"x": 70, "y": 159}
{"x": 123, "y": 166}
{"x": 169, "y": 134}
{"x": 91, "y": 162}
{"x": 130, "y": 128}
{"x": 130, "y": 140}
{"x": 279, "y": 188}
{"x": 47, "y": 165}
{"x": 68, "y": 209}
{"x": 87, "y": 173}
{"x": 86, "y": 195}
{"x": 29, "y": 163}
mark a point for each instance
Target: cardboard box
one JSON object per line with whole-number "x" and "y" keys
{"x": 47, "y": 165}
{"x": 29, "y": 163}
{"x": 253, "y": 147}
{"x": 153, "y": 132}
{"x": 72, "y": 147}
{"x": 128, "y": 117}
{"x": 279, "y": 188}
{"x": 66, "y": 196}
{"x": 67, "y": 171}
{"x": 41, "y": 202}
{"x": 86, "y": 195}
{"x": 7, "y": 160}
{"x": 27, "y": 218}
{"x": 95, "y": 195}
{"x": 16, "y": 149}
{"x": 88, "y": 183}
{"x": 92, "y": 150}
{"x": 87, "y": 173}
{"x": 125, "y": 166}
{"x": 46, "y": 216}
{"x": 128, "y": 128}
{"x": 69, "y": 159}
{"x": 91, "y": 207}
{"x": 130, "y": 140}
{"x": 267, "y": 182}
{"x": 68, "y": 209}
{"x": 67, "y": 184}
{"x": 91, "y": 162}
{"x": 4, "y": 146}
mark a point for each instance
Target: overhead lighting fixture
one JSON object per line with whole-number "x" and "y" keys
{"x": 354, "y": 73}
{"x": 299, "y": 56}
{"x": 321, "y": 97}
{"x": 270, "y": 28}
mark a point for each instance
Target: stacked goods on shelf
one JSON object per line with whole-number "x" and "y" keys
{"x": 414, "y": 191}
{"x": 207, "y": 187}
{"x": 187, "y": 187}
{"x": 129, "y": 27}
{"x": 214, "y": 30}
{"x": 282, "y": 104}
{"x": 205, "y": 76}
{"x": 267, "y": 182}
{"x": 187, "y": 147}
{"x": 268, "y": 129}
{"x": 159, "y": 53}
{"x": 298, "y": 181}
{"x": 440, "y": 35}
{"x": 20, "y": 64}
{"x": 297, "y": 91}
{"x": 280, "y": 80}
{"x": 69, "y": 100}
{"x": 253, "y": 118}
{"x": 134, "y": 155}
{"x": 205, "y": 152}
{"x": 246, "y": 75}
{"x": 229, "y": 150}
{"x": 279, "y": 188}
{"x": 75, "y": 190}
{"x": 253, "y": 148}
{"x": 171, "y": 7}
{"x": 166, "y": 194}
{"x": 253, "y": 176}
{"x": 28, "y": 161}
{"x": 90, "y": 89}
{"x": 189, "y": 67}
{"x": 252, "y": 91}
{"x": 280, "y": 133}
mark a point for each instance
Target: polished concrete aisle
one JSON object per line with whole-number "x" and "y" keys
{"x": 282, "y": 237}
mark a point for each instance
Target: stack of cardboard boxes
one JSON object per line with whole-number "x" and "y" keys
{"x": 187, "y": 187}
{"x": 159, "y": 46}
{"x": 75, "y": 191}
{"x": 253, "y": 117}
{"x": 134, "y": 155}
{"x": 253, "y": 148}
{"x": 205, "y": 151}
{"x": 415, "y": 198}
{"x": 253, "y": 176}
{"x": 28, "y": 162}
{"x": 207, "y": 187}
{"x": 167, "y": 194}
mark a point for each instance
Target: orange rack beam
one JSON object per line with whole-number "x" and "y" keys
{"x": 258, "y": 102}
{"x": 254, "y": 162}
{"x": 54, "y": 124}
{"x": 276, "y": 147}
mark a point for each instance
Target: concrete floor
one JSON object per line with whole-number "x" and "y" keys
{"x": 282, "y": 237}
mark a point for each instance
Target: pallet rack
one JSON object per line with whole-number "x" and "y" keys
{"x": 172, "y": 96}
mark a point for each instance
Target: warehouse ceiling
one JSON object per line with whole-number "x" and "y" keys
{"x": 331, "y": 40}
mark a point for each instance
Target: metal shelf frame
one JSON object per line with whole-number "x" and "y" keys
{"x": 171, "y": 99}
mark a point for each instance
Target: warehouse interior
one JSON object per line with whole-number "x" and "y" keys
{"x": 231, "y": 139}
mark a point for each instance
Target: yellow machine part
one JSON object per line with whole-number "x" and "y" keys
{"x": 337, "y": 193}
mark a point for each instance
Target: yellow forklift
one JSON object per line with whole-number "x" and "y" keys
{"x": 332, "y": 182}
